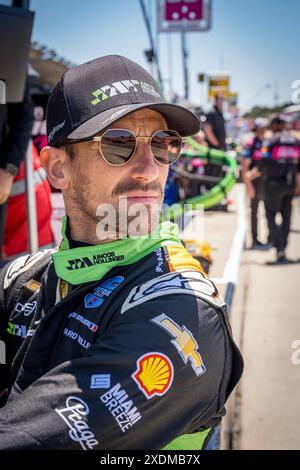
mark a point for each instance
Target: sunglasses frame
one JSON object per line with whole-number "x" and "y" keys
{"x": 137, "y": 138}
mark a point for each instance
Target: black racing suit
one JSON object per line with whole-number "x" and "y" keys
{"x": 16, "y": 121}
{"x": 279, "y": 169}
{"x": 133, "y": 360}
{"x": 252, "y": 152}
{"x": 216, "y": 120}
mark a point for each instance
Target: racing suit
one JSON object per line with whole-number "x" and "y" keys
{"x": 280, "y": 168}
{"x": 252, "y": 152}
{"x": 124, "y": 345}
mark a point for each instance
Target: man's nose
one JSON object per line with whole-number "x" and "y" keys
{"x": 143, "y": 164}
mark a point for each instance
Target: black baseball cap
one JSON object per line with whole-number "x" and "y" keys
{"x": 91, "y": 96}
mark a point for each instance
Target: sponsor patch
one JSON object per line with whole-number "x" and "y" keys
{"x": 186, "y": 282}
{"x": 160, "y": 260}
{"x": 32, "y": 285}
{"x": 88, "y": 262}
{"x": 77, "y": 337}
{"x": 122, "y": 409}
{"x": 103, "y": 291}
{"x": 119, "y": 88}
{"x": 17, "y": 330}
{"x": 55, "y": 129}
{"x": 21, "y": 265}
{"x": 74, "y": 415}
{"x": 27, "y": 309}
{"x": 154, "y": 374}
{"x": 183, "y": 341}
{"x": 100, "y": 381}
{"x": 84, "y": 321}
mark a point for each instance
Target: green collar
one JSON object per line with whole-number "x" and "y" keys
{"x": 90, "y": 263}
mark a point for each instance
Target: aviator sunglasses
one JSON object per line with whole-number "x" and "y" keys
{"x": 117, "y": 146}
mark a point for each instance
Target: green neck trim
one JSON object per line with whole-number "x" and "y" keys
{"x": 91, "y": 263}
{"x": 193, "y": 441}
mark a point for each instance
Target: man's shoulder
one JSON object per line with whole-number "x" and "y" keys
{"x": 177, "y": 286}
{"x": 210, "y": 116}
{"x": 25, "y": 267}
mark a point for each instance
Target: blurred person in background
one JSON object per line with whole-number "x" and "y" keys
{"x": 281, "y": 174}
{"x": 215, "y": 135}
{"x": 16, "y": 120}
{"x": 171, "y": 188}
{"x": 16, "y": 124}
{"x": 214, "y": 126}
{"x": 252, "y": 154}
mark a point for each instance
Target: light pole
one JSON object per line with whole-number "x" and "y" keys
{"x": 185, "y": 67}
{"x": 153, "y": 48}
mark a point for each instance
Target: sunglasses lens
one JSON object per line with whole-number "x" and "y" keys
{"x": 166, "y": 146}
{"x": 117, "y": 146}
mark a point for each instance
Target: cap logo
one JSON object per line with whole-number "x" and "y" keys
{"x": 119, "y": 88}
{"x": 55, "y": 129}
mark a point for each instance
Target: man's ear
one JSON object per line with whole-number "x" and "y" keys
{"x": 54, "y": 162}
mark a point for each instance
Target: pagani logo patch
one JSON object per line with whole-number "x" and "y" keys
{"x": 184, "y": 282}
{"x": 183, "y": 341}
{"x": 154, "y": 374}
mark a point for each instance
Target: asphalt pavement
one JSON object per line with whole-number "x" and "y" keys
{"x": 264, "y": 411}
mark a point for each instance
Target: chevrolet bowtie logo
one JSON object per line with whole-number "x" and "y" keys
{"x": 184, "y": 342}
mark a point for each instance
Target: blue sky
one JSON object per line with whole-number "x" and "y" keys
{"x": 257, "y": 41}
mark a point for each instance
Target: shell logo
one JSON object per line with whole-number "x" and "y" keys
{"x": 154, "y": 374}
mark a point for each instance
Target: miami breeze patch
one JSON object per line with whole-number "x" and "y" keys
{"x": 122, "y": 409}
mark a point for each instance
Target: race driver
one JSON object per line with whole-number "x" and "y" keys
{"x": 116, "y": 340}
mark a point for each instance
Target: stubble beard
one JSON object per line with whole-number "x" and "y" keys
{"x": 114, "y": 219}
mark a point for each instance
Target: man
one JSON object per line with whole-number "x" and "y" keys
{"x": 214, "y": 126}
{"x": 215, "y": 135}
{"x": 281, "y": 173}
{"x": 252, "y": 178}
{"x": 117, "y": 342}
{"x": 16, "y": 121}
